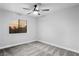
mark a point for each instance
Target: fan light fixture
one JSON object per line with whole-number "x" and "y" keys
{"x": 35, "y": 12}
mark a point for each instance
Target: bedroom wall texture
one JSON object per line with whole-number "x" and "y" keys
{"x": 6, "y": 39}
{"x": 61, "y": 28}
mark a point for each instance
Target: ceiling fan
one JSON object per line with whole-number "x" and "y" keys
{"x": 36, "y": 10}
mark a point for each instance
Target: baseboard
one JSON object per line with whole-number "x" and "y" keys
{"x": 8, "y": 46}
{"x": 69, "y": 49}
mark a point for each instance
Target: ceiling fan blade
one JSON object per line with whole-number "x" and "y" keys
{"x": 26, "y": 8}
{"x": 45, "y": 9}
{"x": 29, "y": 13}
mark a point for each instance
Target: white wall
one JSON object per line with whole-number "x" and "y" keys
{"x": 61, "y": 28}
{"x": 7, "y": 39}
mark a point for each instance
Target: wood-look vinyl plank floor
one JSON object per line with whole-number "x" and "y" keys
{"x": 36, "y": 49}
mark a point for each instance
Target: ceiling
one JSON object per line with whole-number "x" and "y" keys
{"x": 17, "y": 7}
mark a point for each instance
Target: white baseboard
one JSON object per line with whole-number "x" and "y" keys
{"x": 69, "y": 49}
{"x": 8, "y": 46}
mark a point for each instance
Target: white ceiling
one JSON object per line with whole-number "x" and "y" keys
{"x": 17, "y": 7}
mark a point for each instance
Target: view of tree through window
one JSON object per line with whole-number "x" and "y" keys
{"x": 18, "y": 26}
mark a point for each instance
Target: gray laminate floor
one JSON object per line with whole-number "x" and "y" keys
{"x": 36, "y": 49}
